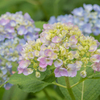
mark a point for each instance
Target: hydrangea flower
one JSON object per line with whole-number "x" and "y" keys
{"x": 86, "y": 18}
{"x": 64, "y": 47}
{"x": 15, "y": 30}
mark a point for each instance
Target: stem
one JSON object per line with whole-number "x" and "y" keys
{"x": 75, "y": 84}
{"x": 47, "y": 95}
{"x": 3, "y": 84}
{"x": 82, "y": 90}
{"x": 59, "y": 85}
{"x": 69, "y": 88}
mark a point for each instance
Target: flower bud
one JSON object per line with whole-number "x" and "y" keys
{"x": 37, "y": 74}
{"x": 83, "y": 74}
{"x": 42, "y": 69}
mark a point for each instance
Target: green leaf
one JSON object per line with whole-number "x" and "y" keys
{"x": 39, "y": 24}
{"x": 29, "y": 83}
{"x": 33, "y": 86}
{"x": 88, "y": 87}
{"x": 50, "y": 78}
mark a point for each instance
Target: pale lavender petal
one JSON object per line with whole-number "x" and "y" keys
{"x": 93, "y": 48}
{"x": 56, "y": 39}
{"x": 58, "y": 62}
{"x": 49, "y": 62}
{"x": 57, "y": 72}
{"x": 74, "y": 73}
{"x": 27, "y": 71}
{"x": 13, "y": 23}
{"x": 42, "y": 60}
{"x": 88, "y": 7}
{"x": 48, "y": 52}
{"x": 4, "y": 21}
{"x": 96, "y": 7}
{"x": 72, "y": 70}
{"x": 42, "y": 65}
{"x": 78, "y": 11}
{"x": 27, "y": 16}
{"x": 7, "y": 86}
{"x": 22, "y": 30}
{"x": 24, "y": 64}
{"x": 20, "y": 70}
{"x": 63, "y": 72}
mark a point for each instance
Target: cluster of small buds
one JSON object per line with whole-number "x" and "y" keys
{"x": 29, "y": 55}
{"x": 87, "y": 19}
{"x": 62, "y": 46}
{"x": 15, "y": 30}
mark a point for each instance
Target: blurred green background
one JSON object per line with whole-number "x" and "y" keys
{"x": 39, "y": 10}
{"x": 42, "y": 9}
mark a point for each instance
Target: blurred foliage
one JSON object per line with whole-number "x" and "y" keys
{"x": 43, "y": 9}
{"x": 16, "y": 94}
{"x": 1, "y": 93}
{"x": 39, "y": 24}
{"x": 96, "y": 37}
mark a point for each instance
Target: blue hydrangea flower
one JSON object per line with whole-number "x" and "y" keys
{"x": 87, "y": 18}
{"x": 15, "y": 30}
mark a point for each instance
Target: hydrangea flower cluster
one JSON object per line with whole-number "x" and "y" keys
{"x": 12, "y": 25}
{"x": 87, "y": 19}
{"x": 15, "y": 30}
{"x": 62, "y": 46}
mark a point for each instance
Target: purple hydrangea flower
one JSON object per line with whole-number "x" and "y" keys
{"x": 88, "y": 7}
{"x": 87, "y": 19}
{"x": 78, "y": 11}
{"x": 15, "y": 30}
{"x": 96, "y": 7}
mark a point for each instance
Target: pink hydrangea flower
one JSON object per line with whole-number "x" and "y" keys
{"x": 48, "y": 52}
{"x": 43, "y": 38}
{"x": 45, "y": 61}
{"x": 22, "y": 68}
{"x": 67, "y": 45}
{"x": 72, "y": 70}
{"x": 78, "y": 65}
{"x": 4, "y": 21}
{"x": 24, "y": 63}
{"x": 56, "y": 39}
{"x": 95, "y": 58}
{"x": 27, "y": 71}
{"x": 58, "y": 63}
{"x": 96, "y": 66}
{"x": 93, "y": 48}
{"x": 73, "y": 40}
{"x": 46, "y": 26}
